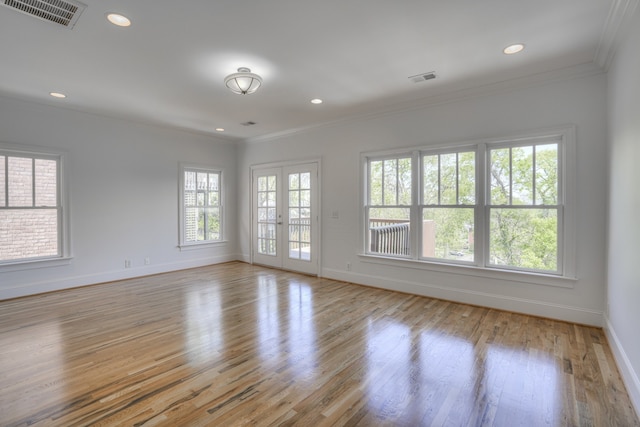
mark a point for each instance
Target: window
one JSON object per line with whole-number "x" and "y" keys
{"x": 201, "y": 202}
{"x": 31, "y": 214}
{"x": 495, "y": 205}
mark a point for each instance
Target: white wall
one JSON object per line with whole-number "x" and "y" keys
{"x": 623, "y": 281}
{"x": 579, "y": 102}
{"x": 123, "y": 184}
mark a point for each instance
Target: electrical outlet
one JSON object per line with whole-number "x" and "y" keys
{"x": 348, "y": 266}
{"x": 147, "y": 261}
{"x": 127, "y": 263}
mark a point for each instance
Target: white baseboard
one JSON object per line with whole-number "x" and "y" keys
{"x": 109, "y": 276}
{"x": 501, "y": 302}
{"x": 629, "y": 375}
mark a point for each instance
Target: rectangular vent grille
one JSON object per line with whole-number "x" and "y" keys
{"x": 248, "y": 123}
{"x": 60, "y": 12}
{"x": 423, "y": 77}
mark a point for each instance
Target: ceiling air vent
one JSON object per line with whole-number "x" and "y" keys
{"x": 61, "y": 12}
{"x": 248, "y": 123}
{"x": 423, "y": 77}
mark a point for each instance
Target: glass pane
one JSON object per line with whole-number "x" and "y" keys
{"x": 522, "y": 175}
{"x": 46, "y": 182}
{"x": 272, "y": 183}
{"x": 294, "y": 198}
{"x": 201, "y": 235}
{"x": 375, "y": 183}
{"x": 294, "y": 250}
{"x": 271, "y": 214}
{"x": 214, "y": 198}
{"x": 389, "y": 231}
{"x": 262, "y": 214}
{"x": 467, "y": 178}
{"x": 305, "y": 181}
{"x": 305, "y": 198}
{"x": 430, "y": 180}
{"x": 262, "y": 199}
{"x": 189, "y": 181}
{"x": 547, "y": 174}
{"x": 294, "y": 181}
{"x": 271, "y": 231}
{"x": 305, "y": 214}
{"x": 200, "y": 199}
{"x": 271, "y": 198}
{"x": 448, "y": 179}
{"x": 213, "y": 224}
{"x": 500, "y": 181}
{"x": 190, "y": 198}
{"x": 201, "y": 180}
{"x": 20, "y": 181}
{"x": 447, "y": 233}
{"x": 3, "y": 196}
{"x": 305, "y": 251}
{"x": 294, "y": 233}
{"x": 28, "y": 233}
{"x": 404, "y": 181}
{"x": 390, "y": 176}
{"x": 524, "y": 238}
{"x": 263, "y": 231}
{"x": 294, "y": 215}
{"x": 262, "y": 183}
{"x": 191, "y": 224}
{"x": 214, "y": 182}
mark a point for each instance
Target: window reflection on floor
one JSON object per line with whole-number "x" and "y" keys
{"x": 268, "y": 321}
{"x": 39, "y": 348}
{"x": 302, "y": 333}
{"x": 204, "y": 323}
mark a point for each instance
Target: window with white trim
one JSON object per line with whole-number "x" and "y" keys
{"x": 31, "y": 214}
{"x": 497, "y": 205}
{"x": 201, "y": 205}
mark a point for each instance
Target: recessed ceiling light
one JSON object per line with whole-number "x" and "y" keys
{"x": 514, "y": 48}
{"x": 119, "y": 20}
{"x": 219, "y": 129}
{"x": 316, "y": 101}
{"x": 57, "y": 95}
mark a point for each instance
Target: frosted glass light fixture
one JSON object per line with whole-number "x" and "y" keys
{"x": 243, "y": 82}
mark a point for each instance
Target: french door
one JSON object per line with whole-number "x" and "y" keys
{"x": 285, "y": 217}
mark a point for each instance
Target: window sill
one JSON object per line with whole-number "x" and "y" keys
{"x": 474, "y": 271}
{"x": 34, "y": 263}
{"x": 203, "y": 245}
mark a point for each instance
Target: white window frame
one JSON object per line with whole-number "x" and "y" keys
{"x": 183, "y": 243}
{"x": 480, "y": 267}
{"x": 63, "y": 256}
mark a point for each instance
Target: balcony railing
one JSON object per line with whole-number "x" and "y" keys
{"x": 388, "y": 236}
{"x": 392, "y": 237}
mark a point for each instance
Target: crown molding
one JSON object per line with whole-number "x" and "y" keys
{"x": 533, "y": 80}
{"x": 617, "y": 25}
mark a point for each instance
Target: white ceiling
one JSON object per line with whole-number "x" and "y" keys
{"x": 356, "y": 55}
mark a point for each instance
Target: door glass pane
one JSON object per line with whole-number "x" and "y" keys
{"x": 299, "y": 218}
{"x": 266, "y": 214}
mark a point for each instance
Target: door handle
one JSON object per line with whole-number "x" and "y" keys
{"x": 280, "y": 223}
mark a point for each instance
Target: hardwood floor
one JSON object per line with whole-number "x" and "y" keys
{"x": 236, "y": 344}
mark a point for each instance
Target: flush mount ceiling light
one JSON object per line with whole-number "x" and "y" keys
{"x": 119, "y": 20}
{"x": 57, "y": 95}
{"x": 243, "y": 82}
{"x": 514, "y": 48}
{"x": 316, "y": 101}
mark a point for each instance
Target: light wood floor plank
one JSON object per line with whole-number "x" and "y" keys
{"x": 236, "y": 344}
